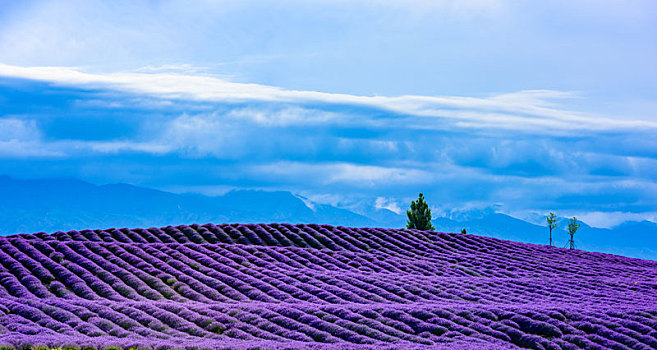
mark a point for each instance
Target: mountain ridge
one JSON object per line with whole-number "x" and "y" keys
{"x": 49, "y": 205}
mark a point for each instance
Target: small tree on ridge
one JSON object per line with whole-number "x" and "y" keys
{"x": 552, "y": 224}
{"x": 419, "y": 216}
{"x": 573, "y": 225}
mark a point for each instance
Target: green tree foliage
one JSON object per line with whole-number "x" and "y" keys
{"x": 419, "y": 216}
{"x": 573, "y": 225}
{"x": 463, "y": 231}
{"x": 552, "y": 223}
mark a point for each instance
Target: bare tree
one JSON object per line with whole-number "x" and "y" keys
{"x": 573, "y": 225}
{"x": 552, "y": 224}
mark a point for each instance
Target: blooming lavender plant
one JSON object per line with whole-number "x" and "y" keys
{"x": 316, "y": 286}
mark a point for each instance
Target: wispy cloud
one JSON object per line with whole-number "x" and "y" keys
{"x": 186, "y": 130}
{"x": 611, "y": 219}
{"x": 387, "y": 203}
{"x": 341, "y": 173}
{"x": 475, "y": 103}
{"x": 22, "y": 139}
{"x": 532, "y": 111}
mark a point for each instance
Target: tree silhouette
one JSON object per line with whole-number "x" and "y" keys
{"x": 463, "y": 231}
{"x": 419, "y": 216}
{"x": 573, "y": 225}
{"x": 552, "y": 224}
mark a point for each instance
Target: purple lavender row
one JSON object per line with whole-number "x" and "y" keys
{"x": 181, "y": 272}
{"x": 320, "y": 286}
{"x": 426, "y": 324}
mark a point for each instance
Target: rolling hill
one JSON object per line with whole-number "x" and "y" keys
{"x": 282, "y": 286}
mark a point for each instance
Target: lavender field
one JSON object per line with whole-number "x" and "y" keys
{"x": 285, "y": 286}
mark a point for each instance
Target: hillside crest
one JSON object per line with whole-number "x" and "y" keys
{"x": 282, "y": 286}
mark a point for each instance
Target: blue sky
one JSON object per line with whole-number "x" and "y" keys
{"x": 523, "y": 106}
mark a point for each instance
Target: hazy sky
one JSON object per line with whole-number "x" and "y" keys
{"x": 524, "y": 106}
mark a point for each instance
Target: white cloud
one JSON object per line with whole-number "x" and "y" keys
{"x": 334, "y": 199}
{"x": 30, "y": 149}
{"x": 309, "y": 203}
{"x": 287, "y": 116}
{"x": 12, "y": 129}
{"x": 612, "y": 218}
{"x": 22, "y": 139}
{"x": 165, "y": 31}
{"x": 387, "y": 203}
{"x": 343, "y": 173}
{"x": 121, "y": 146}
{"x": 206, "y": 134}
{"x": 449, "y": 46}
{"x": 524, "y": 111}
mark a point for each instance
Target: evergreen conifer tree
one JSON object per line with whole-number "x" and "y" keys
{"x": 419, "y": 216}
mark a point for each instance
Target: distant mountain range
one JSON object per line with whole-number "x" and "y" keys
{"x": 50, "y": 205}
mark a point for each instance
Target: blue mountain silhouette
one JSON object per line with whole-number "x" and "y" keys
{"x": 50, "y": 205}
